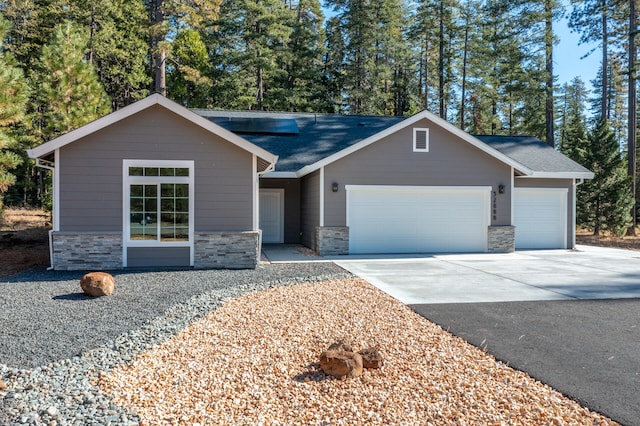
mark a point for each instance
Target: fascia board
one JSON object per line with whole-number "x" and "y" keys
{"x": 280, "y": 175}
{"x": 558, "y": 175}
{"x": 408, "y": 122}
{"x": 149, "y": 101}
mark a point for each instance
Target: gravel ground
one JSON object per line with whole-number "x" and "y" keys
{"x": 255, "y": 361}
{"x": 53, "y": 339}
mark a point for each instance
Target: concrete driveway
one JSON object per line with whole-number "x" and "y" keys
{"x": 542, "y": 324}
{"x": 585, "y": 273}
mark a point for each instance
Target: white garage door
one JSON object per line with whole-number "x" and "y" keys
{"x": 389, "y": 219}
{"x": 540, "y": 218}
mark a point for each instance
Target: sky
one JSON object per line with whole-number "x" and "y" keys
{"x": 566, "y": 57}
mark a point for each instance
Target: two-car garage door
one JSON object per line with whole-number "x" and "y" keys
{"x": 391, "y": 219}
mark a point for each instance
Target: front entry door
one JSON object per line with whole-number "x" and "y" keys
{"x": 272, "y": 215}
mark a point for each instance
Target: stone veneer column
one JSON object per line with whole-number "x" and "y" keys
{"x": 73, "y": 251}
{"x": 501, "y": 239}
{"x": 332, "y": 240}
{"x": 227, "y": 250}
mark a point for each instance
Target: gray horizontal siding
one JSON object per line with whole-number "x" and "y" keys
{"x": 143, "y": 257}
{"x": 91, "y": 172}
{"x": 391, "y": 161}
{"x": 310, "y": 208}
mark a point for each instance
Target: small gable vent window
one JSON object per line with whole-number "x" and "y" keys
{"x": 420, "y": 140}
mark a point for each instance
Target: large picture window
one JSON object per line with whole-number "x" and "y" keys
{"x": 160, "y": 201}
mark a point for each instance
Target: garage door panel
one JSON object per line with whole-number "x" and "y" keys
{"x": 540, "y": 218}
{"x": 417, "y": 221}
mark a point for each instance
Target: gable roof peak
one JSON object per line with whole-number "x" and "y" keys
{"x": 141, "y": 105}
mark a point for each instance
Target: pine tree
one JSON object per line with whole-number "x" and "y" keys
{"x": 333, "y": 72}
{"x": 573, "y": 141}
{"x": 69, "y": 92}
{"x": 253, "y": 37}
{"x": 604, "y": 203}
{"x": 302, "y": 59}
{"x": 13, "y": 98}
{"x": 187, "y": 81}
{"x": 117, "y": 46}
{"x": 118, "y": 39}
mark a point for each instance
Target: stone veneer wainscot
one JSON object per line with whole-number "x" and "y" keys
{"x": 332, "y": 240}
{"x": 228, "y": 250}
{"x": 501, "y": 239}
{"x": 74, "y": 251}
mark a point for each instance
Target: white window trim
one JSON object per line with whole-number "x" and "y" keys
{"x": 415, "y": 139}
{"x": 127, "y": 181}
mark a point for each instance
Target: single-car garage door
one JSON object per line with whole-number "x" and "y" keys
{"x": 391, "y": 219}
{"x": 540, "y": 218}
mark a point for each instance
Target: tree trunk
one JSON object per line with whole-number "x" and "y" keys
{"x": 464, "y": 69}
{"x": 260, "y": 84}
{"x": 605, "y": 63}
{"x": 159, "y": 55}
{"x": 549, "y": 68}
{"x": 631, "y": 143}
{"x": 441, "y": 96}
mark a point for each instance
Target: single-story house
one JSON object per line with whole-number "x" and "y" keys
{"x": 156, "y": 184}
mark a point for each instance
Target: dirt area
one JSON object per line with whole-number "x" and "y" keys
{"x": 24, "y": 240}
{"x": 586, "y": 237}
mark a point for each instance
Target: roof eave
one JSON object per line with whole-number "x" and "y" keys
{"x": 559, "y": 175}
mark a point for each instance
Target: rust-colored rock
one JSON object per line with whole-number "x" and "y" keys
{"x": 371, "y": 358}
{"x": 98, "y": 284}
{"x": 341, "y": 363}
{"x": 2, "y": 385}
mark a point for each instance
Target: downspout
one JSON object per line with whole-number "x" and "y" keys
{"x": 575, "y": 220}
{"x": 43, "y": 165}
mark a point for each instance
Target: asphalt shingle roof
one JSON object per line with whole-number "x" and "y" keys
{"x": 321, "y": 135}
{"x": 533, "y": 153}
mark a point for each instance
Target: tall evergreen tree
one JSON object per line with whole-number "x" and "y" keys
{"x": 69, "y": 92}
{"x": 572, "y": 137}
{"x": 13, "y": 98}
{"x": 302, "y": 62}
{"x": 373, "y": 33}
{"x": 167, "y": 18}
{"x": 254, "y": 35}
{"x": 434, "y": 32}
{"x": 187, "y": 81}
{"x": 333, "y": 63}
{"x": 604, "y": 203}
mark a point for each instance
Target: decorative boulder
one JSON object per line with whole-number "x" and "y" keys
{"x": 371, "y": 358}
{"x": 341, "y": 363}
{"x": 98, "y": 284}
